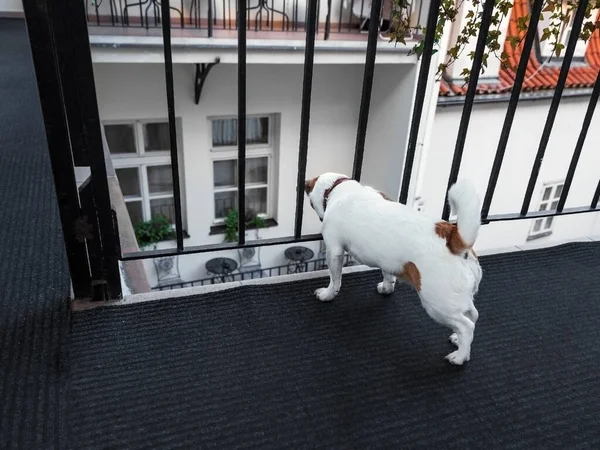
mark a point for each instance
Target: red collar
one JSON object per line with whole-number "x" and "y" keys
{"x": 335, "y": 184}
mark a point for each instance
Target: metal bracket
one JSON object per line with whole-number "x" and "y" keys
{"x": 202, "y": 71}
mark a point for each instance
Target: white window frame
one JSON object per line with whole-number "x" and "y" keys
{"x": 230, "y": 153}
{"x": 546, "y": 223}
{"x": 546, "y": 48}
{"x": 141, "y": 160}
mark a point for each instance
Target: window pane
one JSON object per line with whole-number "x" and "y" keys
{"x": 225, "y": 173}
{"x": 224, "y": 131}
{"x": 559, "y": 190}
{"x": 120, "y": 138}
{"x": 543, "y": 206}
{"x": 549, "y": 223}
{"x": 224, "y": 202}
{"x": 554, "y": 205}
{"x": 156, "y": 137}
{"x": 129, "y": 180}
{"x": 547, "y": 193}
{"x": 257, "y": 170}
{"x": 537, "y": 225}
{"x": 160, "y": 179}
{"x": 135, "y": 212}
{"x": 257, "y": 130}
{"x": 164, "y": 207}
{"x": 256, "y": 201}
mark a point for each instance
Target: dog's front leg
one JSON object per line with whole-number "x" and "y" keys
{"x": 387, "y": 286}
{"x": 335, "y": 262}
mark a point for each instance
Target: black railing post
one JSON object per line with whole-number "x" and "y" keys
{"x": 166, "y": 29}
{"x": 365, "y": 101}
{"x": 309, "y": 56}
{"x": 241, "y": 121}
{"x": 73, "y": 10}
{"x": 465, "y": 118}
{"x": 560, "y": 85}
{"x": 210, "y": 18}
{"x": 532, "y": 32}
{"x": 579, "y": 146}
{"x": 596, "y": 198}
{"x": 46, "y": 64}
{"x": 422, "y": 81}
{"x": 328, "y": 20}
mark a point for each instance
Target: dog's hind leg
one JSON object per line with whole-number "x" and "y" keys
{"x": 463, "y": 329}
{"x": 335, "y": 261}
{"x": 472, "y": 314}
{"x": 387, "y": 286}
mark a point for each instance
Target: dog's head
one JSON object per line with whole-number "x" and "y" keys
{"x": 317, "y": 188}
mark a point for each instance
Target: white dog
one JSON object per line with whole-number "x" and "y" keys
{"x": 435, "y": 257}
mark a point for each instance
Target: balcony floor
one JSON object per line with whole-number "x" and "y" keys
{"x": 34, "y": 278}
{"x": 269, "y": 366}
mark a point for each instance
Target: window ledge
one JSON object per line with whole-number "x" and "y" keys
{"x": 538, "y": 236}
{"x": 173, "y": 236}
{"x": 220, "y": 229}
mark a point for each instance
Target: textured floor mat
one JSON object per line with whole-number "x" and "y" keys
{"x": 270, "y": 367}
{"x": 34, "y": 277}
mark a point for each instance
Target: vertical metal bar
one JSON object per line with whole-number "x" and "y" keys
{"x": 210, "y": 17}
{"x": 486, "y": 20}
{"x": 596, "y": 197}
{"x": 328, "y": 20}
{"x": 365, "y": 101}
{"x": 166, "y": 29}
{"x": 45, "y": 63}
{"x": 512, "y": 105}
{"x": 579, "y": 146}
{"x": 432, "y": 19}
{"x": 72, "y": 17}
{"x": 241, "y": 122}
{"x": 560, "y": 85}
{"x": 309, "y": 57}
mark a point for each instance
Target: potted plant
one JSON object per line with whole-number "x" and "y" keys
{"x": 153, "y": 231}
{"x": 253, "y": 220}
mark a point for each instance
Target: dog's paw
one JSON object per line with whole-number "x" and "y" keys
{"x": 385, "y": 289}
{"x": 454, "y": 339}
{"x": 457, "y": 358}
{"x": 324, "y": 294}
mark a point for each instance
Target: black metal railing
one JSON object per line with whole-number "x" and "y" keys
{"x": 254, "y": 274}
{"x": 60, "y": 47}
{"x": 351, "y": 16}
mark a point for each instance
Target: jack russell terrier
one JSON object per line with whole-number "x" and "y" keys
{"x": 436, "y": 258}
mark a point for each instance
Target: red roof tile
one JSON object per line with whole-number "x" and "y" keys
{"x": 536, "y": 78}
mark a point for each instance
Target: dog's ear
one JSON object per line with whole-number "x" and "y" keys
{"x": 309, "y": 185}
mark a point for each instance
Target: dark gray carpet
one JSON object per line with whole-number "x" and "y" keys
{"x": 270, "y": 367}
{"x": 34, "y": 279}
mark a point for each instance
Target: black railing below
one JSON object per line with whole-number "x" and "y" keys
{"x": 334, "y": 16}
{"x": 254, "y": 274}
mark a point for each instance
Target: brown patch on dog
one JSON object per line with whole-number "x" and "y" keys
{"x": 410, "y": 273}
{"x": 454, "y": 240}
{"x": 309, "y": 185}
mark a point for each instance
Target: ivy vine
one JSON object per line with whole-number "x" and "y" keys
{"x": 558, "y": 12}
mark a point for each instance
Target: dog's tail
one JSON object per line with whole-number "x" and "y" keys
{"x": 465, "y": 203}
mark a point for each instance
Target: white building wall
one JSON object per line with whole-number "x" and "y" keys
{"x": 11, "y": 6}
{"x": 137, "y": 91}
{"x": 482, "y": 141}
